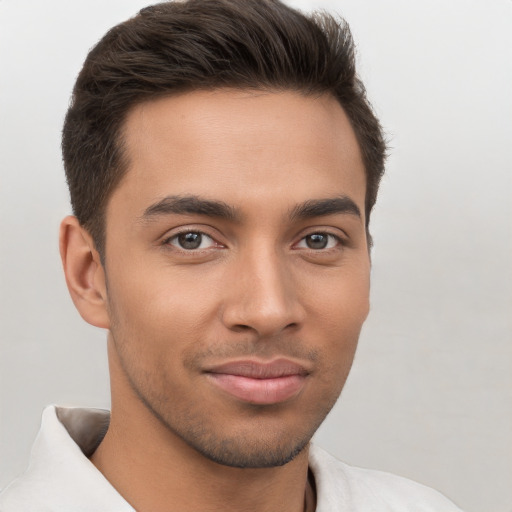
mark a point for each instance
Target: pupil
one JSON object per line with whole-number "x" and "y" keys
{"x": 316, "y": 241}
{"x": 190, "y": 240}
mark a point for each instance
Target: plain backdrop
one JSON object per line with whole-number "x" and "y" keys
{"x": 430, "y": 394}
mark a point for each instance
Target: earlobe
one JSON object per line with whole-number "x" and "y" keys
{"x": 84, "y": 273}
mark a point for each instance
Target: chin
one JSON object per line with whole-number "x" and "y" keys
{"x": 241, "y": 453}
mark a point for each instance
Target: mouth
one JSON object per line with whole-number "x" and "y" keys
{"x": 257, "y": 382}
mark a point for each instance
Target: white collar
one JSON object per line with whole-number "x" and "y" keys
{"x": 60, "y": 477}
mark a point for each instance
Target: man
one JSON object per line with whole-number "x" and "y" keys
{"x": 223, "y": 162}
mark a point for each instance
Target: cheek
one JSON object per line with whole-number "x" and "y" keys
{"x": 338, "y": 312}
{"x": 157, "y": 320}
{"x": 339, "y": 299}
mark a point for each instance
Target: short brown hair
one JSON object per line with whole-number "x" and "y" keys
{"x": 174, "y": 47}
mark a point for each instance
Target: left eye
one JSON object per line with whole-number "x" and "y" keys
{"x": 319, "y": 241}
{"x": 191, "y": 240}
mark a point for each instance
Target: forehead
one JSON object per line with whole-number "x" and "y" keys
{"x": 242, "y": 146}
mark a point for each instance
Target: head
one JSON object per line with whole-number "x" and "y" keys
{"x": 223, "y": 162}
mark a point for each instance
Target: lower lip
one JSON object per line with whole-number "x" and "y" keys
{"x": 259, "y": 391}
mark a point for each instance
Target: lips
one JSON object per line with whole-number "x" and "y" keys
{"x": 257, "y": 382}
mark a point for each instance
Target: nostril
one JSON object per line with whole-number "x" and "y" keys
{"x": 248, "y": 328}
{"x": 241, "y": 328}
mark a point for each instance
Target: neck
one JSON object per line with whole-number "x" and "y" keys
{"x": 156, "y": 471}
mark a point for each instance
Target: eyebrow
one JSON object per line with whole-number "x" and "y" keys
{"x": 192, "y": 205}
{"x": 195, "y": 205}
{"x": 324, "y": 207}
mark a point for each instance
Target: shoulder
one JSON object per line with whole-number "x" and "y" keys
{"x": 341, "y": 486}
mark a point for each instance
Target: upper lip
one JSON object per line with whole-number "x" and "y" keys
{"x": 255, "y": 369}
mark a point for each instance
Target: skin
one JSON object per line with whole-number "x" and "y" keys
{"x": 257, "y": 288}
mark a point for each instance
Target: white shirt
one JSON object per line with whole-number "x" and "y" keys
{"x": 61, "y": 478}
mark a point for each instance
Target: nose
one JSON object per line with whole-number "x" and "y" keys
{"x": 262, "y": 295}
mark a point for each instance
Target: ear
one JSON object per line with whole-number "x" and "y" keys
{"x": 84, "y": 273}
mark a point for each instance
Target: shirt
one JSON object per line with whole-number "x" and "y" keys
{"x": 61, "y": 478}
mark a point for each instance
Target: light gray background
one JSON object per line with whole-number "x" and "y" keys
{"x": 430, "y": 395}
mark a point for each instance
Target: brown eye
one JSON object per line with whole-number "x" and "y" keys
{"x": 319, "y": 241}
{"x": 191, "y": 240}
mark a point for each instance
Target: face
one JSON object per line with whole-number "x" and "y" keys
{"x": 237, "y": 268}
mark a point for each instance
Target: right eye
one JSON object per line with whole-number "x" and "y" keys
{"x": 191, "y": 241}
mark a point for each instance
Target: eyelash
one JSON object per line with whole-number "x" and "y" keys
{"x": 340, "y": 242}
